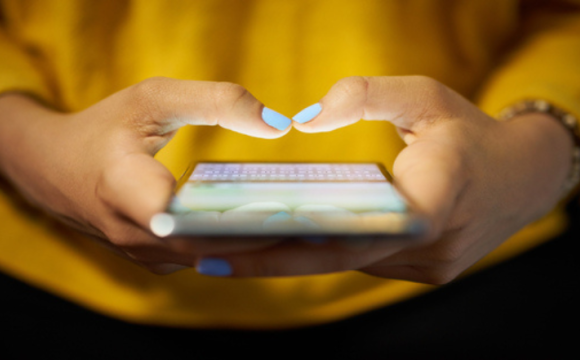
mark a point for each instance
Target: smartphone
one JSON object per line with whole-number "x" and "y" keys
{"x": 290, "y": 200}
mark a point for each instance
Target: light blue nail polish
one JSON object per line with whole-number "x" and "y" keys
{"x": 307, "y": 114}
{"x": 214, "y": 267}
{"x": 307, "y": 222}
{"x": 275, "y": 120}
{"x": 278, "y": 217}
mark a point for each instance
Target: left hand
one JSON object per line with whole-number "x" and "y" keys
{"x": 477, "y": 180}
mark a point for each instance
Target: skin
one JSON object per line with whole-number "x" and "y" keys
{"x": 101, "y": 161}
{"x": 476, "y": 179}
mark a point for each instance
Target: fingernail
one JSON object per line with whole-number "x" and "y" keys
{"x": 307, "y": 114}
{"x": 307, "y": 222}
{"x": 275, "y": 120}
{"x": 279, "y": 217}
{"x": 214, "y": 267}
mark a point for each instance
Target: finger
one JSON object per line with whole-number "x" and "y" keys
{"x": 250, "y": 216}
{"x": 422, "y": 267}
{"x": 142, "y": 247}
{"x": 164, "y": 268}
{"x": 409, "y": 102}
{"x": 147, "y": 251}
{"x": 161, "y": 105}
{"x": 435, "y": 263}
{"x": 138, "y": 199}
{"x": 433, "y": 177}
{"x": 403, "y": 272}
{"x": 139, "y": 245}
{"x": 444, "y": 260}
{"x": 136, "y": 186}
{"x": 297, "y": 258}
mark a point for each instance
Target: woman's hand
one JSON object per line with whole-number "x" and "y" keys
{"x": 476, "y": 179}
{"x": 95, "y": 169}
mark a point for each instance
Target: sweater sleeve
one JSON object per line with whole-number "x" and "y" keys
{"x": 543, "y": 64}
{"x": 18, "y": 72}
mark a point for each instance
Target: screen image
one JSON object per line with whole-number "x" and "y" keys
{"x": 289, "y": 198}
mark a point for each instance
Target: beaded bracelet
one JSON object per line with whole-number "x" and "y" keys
{"x": 568, "y": 120}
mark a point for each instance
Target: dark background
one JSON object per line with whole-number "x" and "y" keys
{"x": 526, "y": 308}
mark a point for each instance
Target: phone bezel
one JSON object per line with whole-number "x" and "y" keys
{"x": 418, "y": 221}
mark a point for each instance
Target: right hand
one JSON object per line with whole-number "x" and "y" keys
{"x": 95, "y": 170}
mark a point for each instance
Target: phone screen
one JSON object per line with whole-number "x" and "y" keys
{"x": 287, "y": 199}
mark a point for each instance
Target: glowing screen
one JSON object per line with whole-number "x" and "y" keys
{"x": 289, "y": 198}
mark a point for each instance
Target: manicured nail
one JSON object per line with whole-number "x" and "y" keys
{"x": 214, "y": 267}
{"x": 279, "y": 217}
{"x": 307, "y": 222}
{"x": 275, "y": 120}
{"x": 308, "y": 114}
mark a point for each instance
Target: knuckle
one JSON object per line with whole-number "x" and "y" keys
{"x": 104, "y": 186}
{"x": 444, "y": 265}
{"x": 353, "y": 85}
{"x": 120, "y": 238}
{"x": 428, "y": 83}
{"x": 229, "y": 93}
{"x": 436, "y": 236}
{"x": 107, "y": 181}
{"x": 146, "y": 95}
{"x": 169, "y": 179}
{"x": 149, "y": 89}
{"x": 127, "y": 237}
{"x": 226, "y": 95}
{"x": 440, "y": 275}
{"x": 436, "y": 94}
{"x": 445, "y": 257}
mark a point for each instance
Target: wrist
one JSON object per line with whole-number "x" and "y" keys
{"x": 28, "y": 137}
{"x": 560, "y": 127}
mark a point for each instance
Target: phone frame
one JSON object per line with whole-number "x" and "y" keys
{"x": 417, "y": 229}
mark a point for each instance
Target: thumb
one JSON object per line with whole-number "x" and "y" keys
{"x": 137, "y": 186}
{"x": 409, "y": 102}
{"x": 158, "y": 107}
{"x": 430, "y": 176}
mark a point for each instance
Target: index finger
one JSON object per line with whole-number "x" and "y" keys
{"x": 163, "y": 105}
{"x": 409, "y": 102}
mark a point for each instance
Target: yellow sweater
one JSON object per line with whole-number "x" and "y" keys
{"x": 71, "y": 54}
